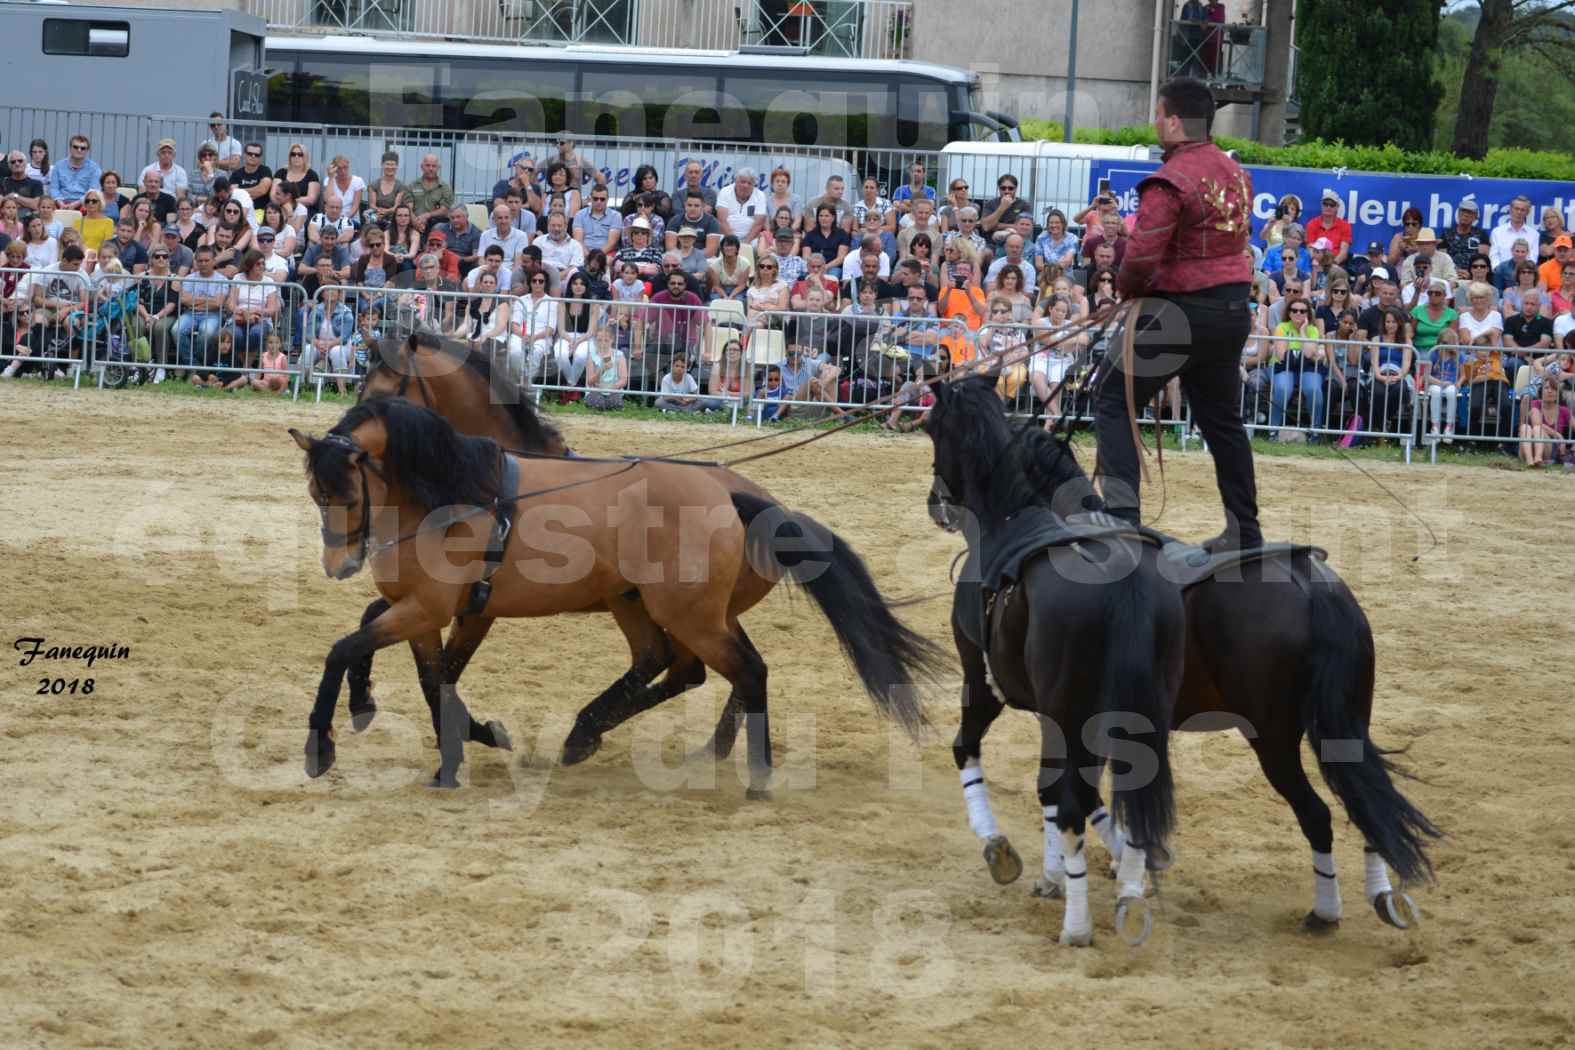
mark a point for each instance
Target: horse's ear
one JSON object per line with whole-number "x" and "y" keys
{"x": 301, "y": 439}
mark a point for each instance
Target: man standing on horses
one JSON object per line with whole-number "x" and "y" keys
{"x": 1187, "y": 261}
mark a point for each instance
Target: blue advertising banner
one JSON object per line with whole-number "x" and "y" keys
{"x": 1371, "y": 203}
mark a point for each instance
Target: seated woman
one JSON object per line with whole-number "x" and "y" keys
{"x": 1548, "y": 420}
{"x": 1482, "y": 329}
{"x": 1049, "y": 366}
{"x": 766, "y": 295}
{"x": 729, "y": 275}
{"x": 1391, "y": 361}
{"x": 1297, "y": 363}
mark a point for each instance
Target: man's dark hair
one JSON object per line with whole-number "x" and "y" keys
{"x": 72, "y": 253}
{"x": 694, "y": 194}
{"x": 203, "y": 249}
{"x": 530, "y": 251}
{"x": 493, "y": 249}
{"x": 1191, "y": 100}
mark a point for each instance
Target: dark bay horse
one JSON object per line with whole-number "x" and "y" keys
{"x": 404, "y": 493}
{"x": 481, "y": 400}
{"x": 1089, "y": 637}
{"x": 1278, "y": 648}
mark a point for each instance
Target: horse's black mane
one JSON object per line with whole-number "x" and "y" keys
{"x": 436, "y": 464}
{"x": 535, "y": 434}
{"x": 1009, "y": 466}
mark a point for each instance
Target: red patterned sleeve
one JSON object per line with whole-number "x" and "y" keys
{"x": 1159, "y": 209}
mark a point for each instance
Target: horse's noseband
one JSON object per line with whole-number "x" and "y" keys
{"x": 363, "y": 531}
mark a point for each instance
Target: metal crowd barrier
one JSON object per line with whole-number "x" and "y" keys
{"x": 1489, "y": 412}
{"x": 553, "y": 341}
{"x": 1332, "y": 395}
{"x": 44, "y": 323}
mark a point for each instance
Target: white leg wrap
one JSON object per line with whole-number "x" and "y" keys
{"x": 1077, "y": 927}
{"x": 980, "y": 816}
{"x": 1376, "y": 877}
{"x": 1129, "y": 873}
{"x": 1326, "y": 887}
{"x": 1109, "y": 834}
{"x": 1055, "y": 864}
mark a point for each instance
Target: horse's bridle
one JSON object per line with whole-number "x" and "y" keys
{"x": 362, "y": 534}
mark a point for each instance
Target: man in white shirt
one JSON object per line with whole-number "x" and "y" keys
{"x": 275, "y": 266}
{"x": 174, "y": 176}
{"x": 331, "y": 215}
{"x": 504, "y": 235}
{"x": 223, "y": 143}
{"x": 741, "y": 207}
{"x": 491, "y": 262}
{"x": 1014, "y": 256}
{"x": 558, "y": 249}
{"x": 1504, "y": 235}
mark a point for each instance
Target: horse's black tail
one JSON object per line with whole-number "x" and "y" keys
{"x": 888, "y": 656}
{"x": 1132, "y": 684}
{"x": 1335, "y": 709}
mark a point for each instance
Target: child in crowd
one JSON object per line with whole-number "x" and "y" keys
{"x": 771, "y": 390}
{"x": 680, "y": 392}
{"x": 223, "y": 357}
{"x": 1443, "y": 391}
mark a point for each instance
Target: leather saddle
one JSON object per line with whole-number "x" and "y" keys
{"x": 1036, "y": 530}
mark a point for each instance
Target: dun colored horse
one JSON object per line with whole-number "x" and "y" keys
{"x": 1088, "y": 636}
{"x": 453, "y": 529}
{"x": 1278, "y": 647}
{"x": 481, "y": 400}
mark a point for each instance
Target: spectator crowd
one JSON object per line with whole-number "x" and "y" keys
{"x": 233, "y": 273}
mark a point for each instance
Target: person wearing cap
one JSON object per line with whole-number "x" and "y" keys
{"x": 639, "y": 250}
{"x": 790, "y": 265}
{"x": 180, "y": 256}
{"x": 690, "y": 258}
{"x": 448, "y": 261}
{"x": 1465, "y": 239}
{"x": 1442, "y": 266}
{"x": 1187, "y": 260}
{"x": 275, "y": 266}
{"x": 1329, "y": 226}
{"x": 1550, "y": 274}
{"x": 175, "y": 178}
{"x": 1361, "y": 267}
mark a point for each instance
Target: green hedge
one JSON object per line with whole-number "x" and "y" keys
{"x": 1499, "y": 163}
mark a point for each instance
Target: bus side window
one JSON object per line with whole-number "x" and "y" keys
{"x": 923, "y": 115}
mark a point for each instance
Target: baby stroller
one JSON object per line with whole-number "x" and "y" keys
{"x": 106, "y": 331}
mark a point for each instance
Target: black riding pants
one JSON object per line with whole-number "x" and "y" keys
{"x": 1198, "y": 337}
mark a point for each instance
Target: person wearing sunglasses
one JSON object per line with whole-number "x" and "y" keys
{"x": 251, "y": 174}
{"x": 1403, "y": 243}
{"x": 1001, "y": 211}
{"x": 1464, "y": 241}
{"x": 70, "y": 181}
{"x": 229, "y": 151}
{"x": 1187, "y": 259}
{"x": 18, "y": 186}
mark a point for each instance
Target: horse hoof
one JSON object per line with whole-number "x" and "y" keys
{"x": 1127, "y": 910}
{"x": 757, "y": 794}
{"x": 361, "y": 718}
{"x": 1077, "y": 940}
{"x": 1397, "y": 909}
{"x": 320, "y": 753}
{"x": 1002, "y": 860}
{"x": 577, "y": 751}
{"x": 1315, "y": 923}
{"x": 1049, "y": 889}
{"x": 447, "y": 780}
{"x": 500, "y": 736}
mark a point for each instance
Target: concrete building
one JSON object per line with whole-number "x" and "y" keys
{"x": 1125, "y": 49}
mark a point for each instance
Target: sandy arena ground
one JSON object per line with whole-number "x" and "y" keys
{"x": 169, "y": 877}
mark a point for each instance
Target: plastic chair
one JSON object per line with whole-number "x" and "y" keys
{"x": 767, "y": 346}
{"x": 478, "y": 216}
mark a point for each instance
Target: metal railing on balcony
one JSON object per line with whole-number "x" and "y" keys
{"x": 1223, "y": 56}
{"x": 830, "y": 28}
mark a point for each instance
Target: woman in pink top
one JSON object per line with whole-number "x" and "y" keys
{"x": 1548, "y": 419}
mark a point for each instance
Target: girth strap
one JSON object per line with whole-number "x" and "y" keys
{"x": 503, "y": 509}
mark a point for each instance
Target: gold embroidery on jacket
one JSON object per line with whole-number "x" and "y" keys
{"x": 1229, "y": 203}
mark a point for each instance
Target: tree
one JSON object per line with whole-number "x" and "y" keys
{"x": 1365, "y": 72}
{"x": 1507, "y": 28}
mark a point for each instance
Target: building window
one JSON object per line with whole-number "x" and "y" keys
{"x": 74, "y": 36}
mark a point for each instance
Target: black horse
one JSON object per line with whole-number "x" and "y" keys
{"x": 1276, "y": 647}
{"x": 1087, "y": 635}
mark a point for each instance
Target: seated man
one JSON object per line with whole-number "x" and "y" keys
{"x": 558, "y": 249}
{"x": 695, "y": 215}
{"x": 674, "y": 328}
{"x": 328, "y": 244}
{"x": 503, "y": 234}
{"x": 332, "y": 217}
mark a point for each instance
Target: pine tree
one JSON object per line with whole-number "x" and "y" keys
{"x": 1365, "y": 70}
